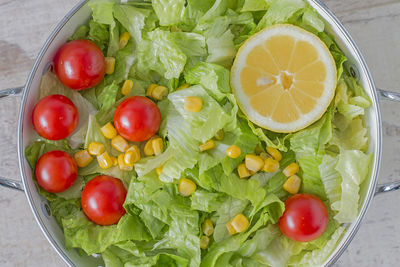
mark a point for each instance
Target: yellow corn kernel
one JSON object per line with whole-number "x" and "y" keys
{"x": 149, "y": 91}
{"x": 243, "y": 171}
{"x": 82, "y": 158}
{"x": 123, "y": 39}
{"x": 127, "y": 87}
{"x": 108, "y": 131}
{"x": 186, "y": 187}
{"x": 159, "y": 92}
{"x": 254, "y": 163}
{"x": 233, "y": 151}
{"x": 134, "y": 154}
{"x": 207, "y": 227}
{"x": 264, "y": 155}
{"x": 193, "y": 103}
{"x": 105, "y": 161}
{"x": 274, "y": 153}
{"x": 119, "y": 143}
{"x": 292, "y": 185}
{"x": 110, "y": 65}
{"x": 122, "y": 164}
{"x": 291, "y": 169}
{"x": 204, "y": 241}
{"x": 220, "y": 135}
{"x": 239, "y": 223}
{"x": 207, "y": 145}
{"x": 158, "y": 146}
{"x": 159, "y": 170}
{"x": 95, "y": 148}
{"x": 115, "y": 160}
{"x": 183, "y": 86}
{"x": 230, "y": 228}
{"x": 148, "y": 148}
{"x": 271, "y": 165}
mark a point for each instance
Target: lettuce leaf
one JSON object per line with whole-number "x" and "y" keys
{"x": 169, "y": 12}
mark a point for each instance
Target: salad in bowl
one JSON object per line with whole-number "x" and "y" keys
{"x": 201, "y": 133}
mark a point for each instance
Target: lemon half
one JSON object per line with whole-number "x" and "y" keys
{"x": 284, "y": 78}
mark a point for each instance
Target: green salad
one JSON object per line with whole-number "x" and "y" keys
{"x": 185, "y": 194}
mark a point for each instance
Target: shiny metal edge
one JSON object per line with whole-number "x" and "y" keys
{"x": 11, "y": 91}
{"x": 12, "y": 184}
{"x": 21, "y": 158}
{"x": 389, "y": 187}
{"x": 353, "y": 228}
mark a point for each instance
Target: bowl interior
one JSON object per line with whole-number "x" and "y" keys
{"x": 80, "y": 15}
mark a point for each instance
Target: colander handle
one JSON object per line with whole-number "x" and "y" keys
{"x": 9, "y": 183}
{"x": 389, "y": 187}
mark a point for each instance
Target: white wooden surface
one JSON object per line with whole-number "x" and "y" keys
{"x": 24, "y": 26}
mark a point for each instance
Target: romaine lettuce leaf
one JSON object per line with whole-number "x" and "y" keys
{"x": 169, "y": 12}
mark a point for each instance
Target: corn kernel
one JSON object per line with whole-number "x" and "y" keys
{"x": 123, "y": 39}
{"x": 230, "y": 228}
{"x": 110, "y": 65}
{"x": 240, "y": 223}
{"x": 183, "y": 86}
{"x": 159, "y": 92}
{"x": 207, "y": 227}
{"x": 122, "y": 164}
{"x": 148, "y": 148}
{"x": 204, "y": 241}
{"x": 115, "y": 160}
{"x": 134, "y": 154}
{"x": 254, "y": 163}
{"x": 220, "y": 135}
{"x": 159, "y": 170}
{"x": 193, "y": 103}
{"x": 158, "y": 146}
{"x": 95, "y": 148}
{"x": 186, "y": 187}
{"x": 207, "y": 145}
{"x": 291, "y": 169}
{"x": 149, "y": 91}
{"x": 292, "y": 185}
{"x": 233, "y": 151}
{"x": 105, "y": 161}
{"x": 271, "y": 165}
{"x": 274, "y": 153}
{"x": 243, "y": 171}
{"x": 127, "y": 87}
{"x": 119, "y": 143}
{"x": 108, "y": 131}
{"x": 264, "y": 155}
{"x": 82, "y": 158}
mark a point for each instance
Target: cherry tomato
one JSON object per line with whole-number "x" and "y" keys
{"x": 79, "y": 64}
{"x": 102, "y": 200}
{"x": 305, "y": 218}
{"x": 56, "y": 171}
{"x": 55, "y": 117}
{"x": 137, "y": 118}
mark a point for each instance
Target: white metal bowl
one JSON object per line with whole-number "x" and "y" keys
{"x": 81, "y": 14}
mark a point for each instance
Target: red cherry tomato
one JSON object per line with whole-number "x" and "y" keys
{"x": 137, "y": 118}
{"x": 102, "y": 200}
{"x": 56, "y": 171}
{"x": 55, "y": 117}
{"x": 305, "y": 218}
{"x": 79, "y": 64}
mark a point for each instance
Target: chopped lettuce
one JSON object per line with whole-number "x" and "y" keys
{"x": 178, "y": 42}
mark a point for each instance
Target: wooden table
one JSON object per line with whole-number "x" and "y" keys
{"x": 25, "y": 25}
